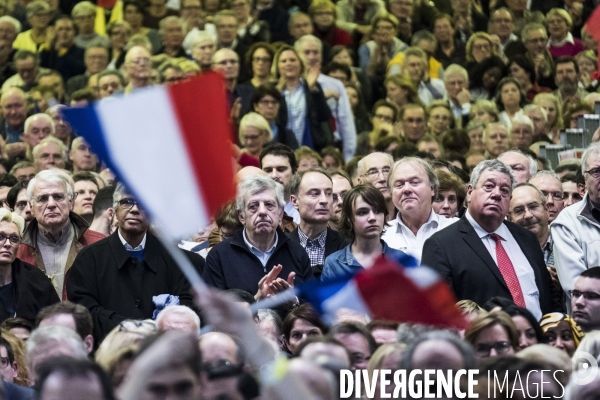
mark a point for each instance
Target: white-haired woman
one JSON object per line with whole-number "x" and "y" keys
{"x": 24, "y": 289}
{"x": 255, "y": 133}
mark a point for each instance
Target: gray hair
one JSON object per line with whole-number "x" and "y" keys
{"x": 12, "y": 20}
{"x": 455, "y": 69}
{"x": 539, "y": 192}
{"x": 49, "y": 176}
{"x": 198, "y": 37}
{"x": 266, "y": 314}
{"x": 308, "y": 39}
{"x": 522, "y": 120}
{"x": 593, "y": 149}
{"x": 491, "y": 165}
{"x": 35, "y": 7}
{"x": 551, "y": 174}
{"x": 465, "y": 349}
{"x": 532, "y": 26}
{"x": 50, "y": 139}
{"x": 535, "y": 107}
{"x": 55, "y": 333}
{"x": 118, "y": 194}
{"x": 491, "y": 125}
{"x": 180, "y": 310}
{"x": 37, "y": 116}
{"x": 163, "y": 22}
{"x": 255, "y": 184}
{"x": 360, "y": 166}
{"x": 434, "y": 183}
{"x": 533, "y": 166}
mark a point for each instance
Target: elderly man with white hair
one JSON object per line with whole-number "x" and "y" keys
{"x": 37, "y": 127}
{"x": 523, "y": 165}
{"x": 539, "y": 117}
{"x": 456, "y": 80}
{"x": 49, "y": 153}
{"x": 137, "y": 66}
{"x": 56, "y": 235}
{"x": 48, "y": 342}
{"x": 521, "y": 131}
{"x": 31, "y": 289}
{"x": 176, "y": 317}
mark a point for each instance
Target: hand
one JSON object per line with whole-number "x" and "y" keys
{"x": 496, "y": 44}
{"x": 16, "y": 149}
{"x": 385, "y": 128}
{"x": 330, "y": 93}
{"x": 554, "y": 277}
{"x": 463, "y": 97}
{"x": 270, "y": 284}
{"x": 585, "y": 78}
{"x": 312, "y": 75}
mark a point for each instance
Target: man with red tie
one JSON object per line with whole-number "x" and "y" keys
{"x": 483, "y": 255}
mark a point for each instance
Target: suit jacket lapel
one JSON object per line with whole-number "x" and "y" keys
{"x": 331, "y": 242}
{"x": 473, "y": 241}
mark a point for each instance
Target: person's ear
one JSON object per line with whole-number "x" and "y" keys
{"x": 88, "y": 342}
{"x": 294, "y": 201}
{"x": 15, "y": 367}
{"x": 241, "y": 217}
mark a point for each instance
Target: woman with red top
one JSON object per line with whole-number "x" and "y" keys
{"x": 561, "y": 42}
{"x": 324, "y": 15}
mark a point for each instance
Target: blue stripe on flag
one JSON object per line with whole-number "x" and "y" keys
{"x": 316, "y": 292}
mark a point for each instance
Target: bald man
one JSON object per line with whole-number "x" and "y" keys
{"x": 227, "y": 62}
{"x": 13, "y": 103}
{"x": 138, "y": 68}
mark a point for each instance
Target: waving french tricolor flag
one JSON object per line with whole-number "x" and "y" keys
{"x": 170, "y": 145}
{"x": 389, "y": 291}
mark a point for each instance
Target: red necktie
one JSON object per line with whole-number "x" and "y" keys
{"x": 508, "y": 272}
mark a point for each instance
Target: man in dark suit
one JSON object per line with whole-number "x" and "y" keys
{"x": 483, "y": 256}
{"x": 311, "y": 193}
{"x": 117, "y": 277}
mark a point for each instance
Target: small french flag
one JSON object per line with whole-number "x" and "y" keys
{"x": 170, "y": 145}
{"x": 389, "y": 291}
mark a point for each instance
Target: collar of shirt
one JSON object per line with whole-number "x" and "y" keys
{"x": 319, "y": 239}
{"x": 231, "y": 46}
{"x": 64, "y": 234}
{"x": 433, "y": 220}
{"x": 501, "y": 231}
{"x": 567, "y": 39}
{"x": 256, "y": 250}
{"x": 128, "y": 247}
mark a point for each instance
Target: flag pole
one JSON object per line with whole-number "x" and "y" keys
{"x": 274, "y": 301}
{"x": 185, "y": 265}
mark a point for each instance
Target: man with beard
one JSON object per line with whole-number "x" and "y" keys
{"x": 341, "y": 185}
{"x": 566, "y": 78}
{"x": 311, "y": 193}
{"x": 413, "y": 186}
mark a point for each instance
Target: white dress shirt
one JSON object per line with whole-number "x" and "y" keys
{"x": 399, "y": 236}
{"x": 128, "y": 247}
{"x": 520, "y": 263}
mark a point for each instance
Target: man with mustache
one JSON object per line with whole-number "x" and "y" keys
{"x": 255, "y": 256}
{"x": 312, "y": 195}
{"x": 413, "y": 187}
{"x": 483, "y": 256}
{"x": 566, "y": 78}
{"x": 117, "y": 277}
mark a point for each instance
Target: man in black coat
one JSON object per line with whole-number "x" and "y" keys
{"x": 483, "y": 256}
{"x": 311, "y": 193}
{"x": 24, "y": 288}
{"x": 244, "y": 260}
{"x": 117, "y": 277}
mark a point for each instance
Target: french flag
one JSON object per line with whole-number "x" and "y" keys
{"x": 388, "y": 290}
{"x": 170, "y": 145}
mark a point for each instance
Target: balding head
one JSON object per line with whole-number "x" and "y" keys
{"x": 217, "y": 346}
{"x": 138, "y": 66}
{"x": 227, "y": 62}
{"x": 248, "y": 171}
{"x": 319, "y": 381}
{"x": 37, "y": 128}
{"x": 14, "y": 107}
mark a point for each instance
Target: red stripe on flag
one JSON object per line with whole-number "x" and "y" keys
{"x": 203, "y": 115}
{"x": 392, "y": 295}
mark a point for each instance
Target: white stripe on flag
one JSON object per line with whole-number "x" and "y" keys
{"x": 347, "y": 297}
{"x": 160, "y": 173}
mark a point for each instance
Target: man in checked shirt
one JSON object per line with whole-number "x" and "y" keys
{"x": 312, "y": 195}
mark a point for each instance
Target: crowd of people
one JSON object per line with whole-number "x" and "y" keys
{"x": 360, "y": 128}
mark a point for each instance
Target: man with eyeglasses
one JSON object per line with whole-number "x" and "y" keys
{"x": 535, "y": 38}
{"x": 53, "y": 239}
{"x": 576, "y": 231}
{"x": 551, "y": 186}
{"x": 311, "y": 193}
{"x": 585, "y": 300}
{"x": 24, "y": 289}
{"x": 117, "y": 278}
{"x": 227, "y": 62}
{"x": 227, "y": 26}
{"x": 413, "y": 186}
{"x": 137, "y": 67}
{"x": 374, "y": 169}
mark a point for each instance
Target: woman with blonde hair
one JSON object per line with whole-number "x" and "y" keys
{"x": 118, "y": 348}
{"x": 400, "y": 91}
{"x": 485, "y": 111}
{"x": 588, "y": 64}
{"x": 305, "y": 104}
{"x": 550, "y": 103}
{"x": 254, "y": 133}
{"x": 18, "y": 357}
{"x": 387, "y": 356}
{"x": 479, "y": 47}
{"x": 493, "y": 334}
{"x": 561, "y": 42}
